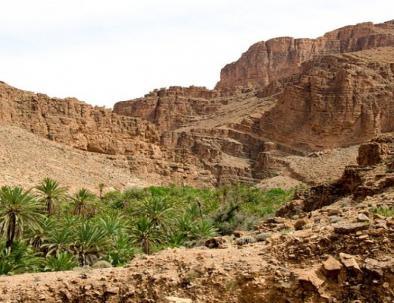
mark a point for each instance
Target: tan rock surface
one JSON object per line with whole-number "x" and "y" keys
{"x": 25, "y": 159}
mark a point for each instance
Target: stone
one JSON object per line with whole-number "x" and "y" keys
{"x": 333, "y": 211}
{"x": 299, "y": 224}
{"x": 238, "y": 233}
{"x": 245, "y": 240}
{"x": 262, "y": 237}
{"x": 178, "y": 300}
{"x": 362, "y": 218}
{"x": 102, "y": 264}
{"x": 371, "y": 153}
{"x": 217, "y": 242}
{"x": 310, "y": 276}
{"x": 271, "y": 60}
{"x": 349, "y": 261}
{"x": 317, "y": 76}
{"x": 347, "y": 228}
{"x": 331, "y": 264}
{"x": 374, "y": 266}
{"x": 334, "y": 219}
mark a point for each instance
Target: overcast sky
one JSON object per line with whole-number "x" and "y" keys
{"x": 103, "y": 51}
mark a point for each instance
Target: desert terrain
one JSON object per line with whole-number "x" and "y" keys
{"x": 311, "y": 116}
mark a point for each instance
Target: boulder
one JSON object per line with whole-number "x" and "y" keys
{"x": 332, "y": 265}
{"x": 348, "y": 228}
{"x": 349, "y": 261}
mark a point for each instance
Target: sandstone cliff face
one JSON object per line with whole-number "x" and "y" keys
{"x": 171, "y": 108}
{"x": 277, "y": 58}
{"x": 337, "y": 100}
{"x": 75, "y": 123}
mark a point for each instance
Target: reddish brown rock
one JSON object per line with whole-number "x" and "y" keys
{"x": 265, "y": 62}
{"x": 332, "y": 265}
{"x": 171, "y": 108}
{"x": 336, "y": 100}
{"x": 76, "y": 123}
{"x": 371, "y": 153}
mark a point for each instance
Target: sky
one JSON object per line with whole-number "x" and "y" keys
{"x": 104, "y": 51}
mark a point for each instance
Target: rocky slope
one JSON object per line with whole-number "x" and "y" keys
{"x": 274, "y": 59}
{"x": 339, "y": 249}
{"x": 25, "y": 159}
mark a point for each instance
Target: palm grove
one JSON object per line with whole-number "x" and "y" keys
{"x": 47, "y": 229}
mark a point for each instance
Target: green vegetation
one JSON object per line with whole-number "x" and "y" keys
{"x": 47, "y": 229}
{"x": 384, "y": 211}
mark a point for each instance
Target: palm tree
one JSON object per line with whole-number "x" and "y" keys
{"x": 57, "y": 240}
{"x": 17, "y": 209}
{"x": 158, "y": 211}
{"x": 101, "y": 190}
{"x": 114, "y": 224}
{"x": 21, "y": 258}
{"x": 203, "y": 229}
{"x": 144, "y": 234}
{"x": 51, "y": 192}
{"x": 82, "y": 202}
{"x": 90, "y": 242}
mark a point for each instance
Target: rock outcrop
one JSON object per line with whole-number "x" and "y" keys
{"x": 277, "y": 58}
{"x": 173, "y": 107}
{"x": 75, "y": 123}
{"x": 336, "y": 100}
{"x": 372, "y": 176}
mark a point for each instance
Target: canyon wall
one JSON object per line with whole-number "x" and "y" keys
{"x": 336, "y": 100}
{"x": 171, "y": 108}
{"x": 277, "y": 58}
{"x": 75, "y": 123}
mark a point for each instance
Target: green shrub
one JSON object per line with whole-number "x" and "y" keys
{"x": 384, "y": 211}
{"x": 60, "y": 261}
{"x": 19, "y": 258}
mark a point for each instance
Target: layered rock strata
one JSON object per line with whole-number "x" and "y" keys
{"x": 271, "y": 60}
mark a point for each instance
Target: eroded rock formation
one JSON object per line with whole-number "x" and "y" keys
{"x": 277, "y": 58}
{"x": 171, "y": 108}
{"x": 336, "y": 100}
{"x": 372, "y": 176}
{"x": 75, "y": 123}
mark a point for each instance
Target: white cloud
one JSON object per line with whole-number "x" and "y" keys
{"x": 102, "y": 51}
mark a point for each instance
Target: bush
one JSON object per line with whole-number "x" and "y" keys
{"x": 61, "y": 261}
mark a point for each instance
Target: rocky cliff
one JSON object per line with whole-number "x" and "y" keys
{"x": 171, "y": 108}
{"x": 274, "y": 59}
{"x": 335, "y": 101}
{"x": 74, "y": 122}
